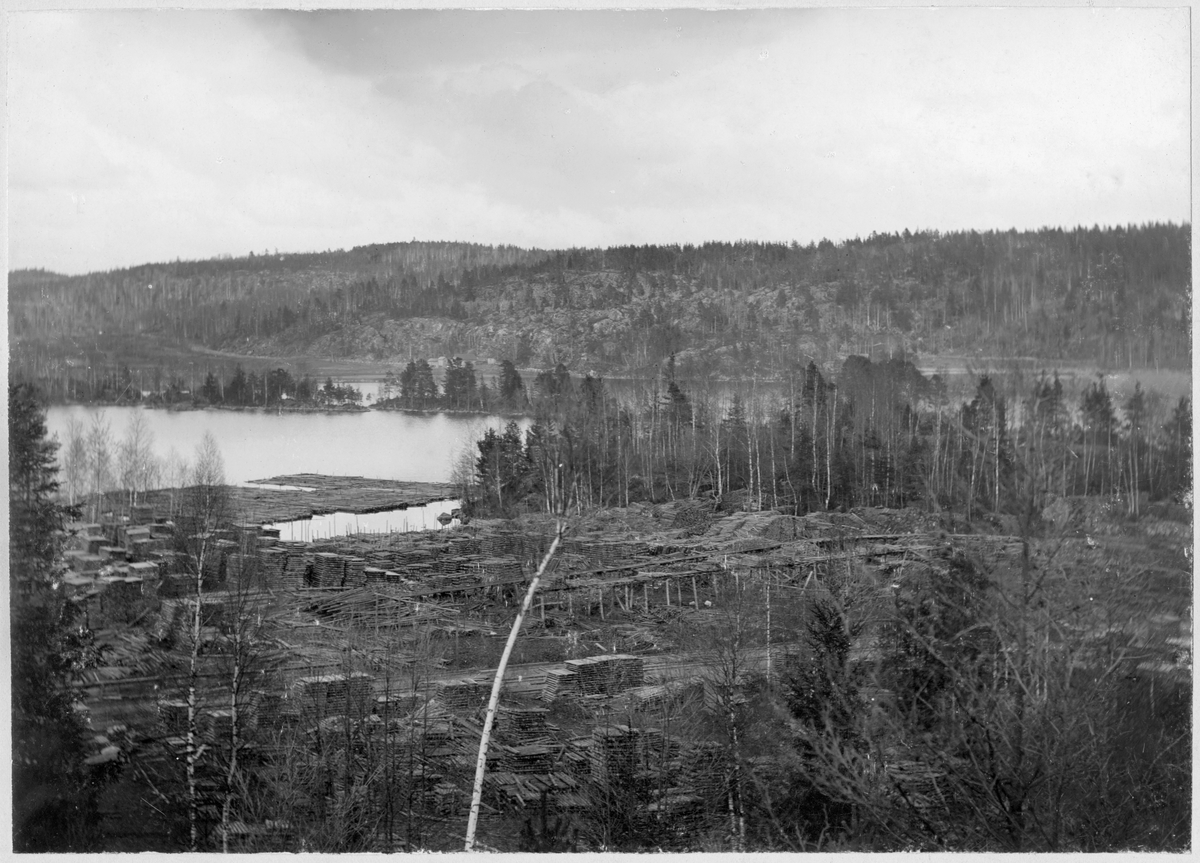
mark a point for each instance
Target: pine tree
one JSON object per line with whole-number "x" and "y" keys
{"x": 53, "y": 804}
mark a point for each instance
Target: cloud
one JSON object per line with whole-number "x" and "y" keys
{"x": 154, "y": 135}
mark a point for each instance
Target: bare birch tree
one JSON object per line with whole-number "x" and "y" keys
{"x": 206, "y": 507}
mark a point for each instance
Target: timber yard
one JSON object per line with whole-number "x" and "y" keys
{"x": 377, "y": 652}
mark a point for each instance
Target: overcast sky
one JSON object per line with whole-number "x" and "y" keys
{"x": 150, "y": 136}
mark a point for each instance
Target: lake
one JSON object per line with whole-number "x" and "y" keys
{"x": 260, "y": 445}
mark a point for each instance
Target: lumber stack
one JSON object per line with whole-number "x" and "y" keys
{"x": 397, "y": 704}
{"x": 272, "y": 562}
{"x": 334, "y": 695}
{"x": 120, "y": 597}
{"x": 606, "y": 674}
{"x": 419, "y": 572}
{"x": 240, "y": 567}
{"x": 523, "y": 790}
{"x": 329, "y": 569}
{"x": 163, "y": 530}
{"x": 354, "y": 572}
{"x": 559, "y": 682}
{"x": 81, "y": 561}
{"x": 149, "y": 574}
{"x": 448, "y": 799}
{"x": 217, "y": 726}
{"x": 679, "y": 808}
{"x": 374, "y": 575}
{"x": 266, "y": 708}
{"x": 502, "y": 544}
{"x": 464, "y": 694}
{"x": 114, "y": 553}
{"x": 614, "y": 753}
{"x": 522, "y": 724}
{"x": 131, "y": 535}
{"x": 530, "y": 758}
{"x": 693, "y": 518}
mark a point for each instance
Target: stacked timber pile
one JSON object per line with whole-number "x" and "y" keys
{"x": 447, "y": 798}
{"x": 559, "y": 790}
{"x": 522, "y": 725}
{"x": 81, "y": 561}
{"x": 679, "y": 809}
{"x": 917, "y": 780}
{"x": 411, "y": 556}
{"x": 529, "y": 758}
{"x": 329, "y": 569}
{"x": 559, "y": 683}
{"x": 80, "y": 529}
{"x": 739, "y": 525}
{"x": 271, "y": 562}
{"x": 373, "y": 575}
{"x": 464, "y": 694}
{"x": 266, "y": 708}
{"x": 170, "y": 562}
{"x": 606, "y": 674}
{"x": 693, "y": 517}
{"x": 606, "y": 552}
{"x": 168, "y": 620}
{"x": 241, "y": 567}
{"x": 355, "y": 572}
{"x": 418, "y": 572}
{"x": 614, "y": 754}
{"x": 329, "y": 695}
{"x": 217, "y": 726}
{"x": 113, "y": 553}
{"x": 284, "y": 565}
{"x": 450, "y": 581}
{"x": 577, "y": 758}
{"x": 295, "y": 571}
{"x": 673, "y": 693}
{"x": 149, "y": 574}
{"x": 501, "y": 544}
{"x": 377, "y": 559}
{"x": 121, "y": 596}
{"x": 463, "y": 544}
{"x": 397, "y": 704}
{"x": 659, "y": 749}
{"x": 499, "y": 568}
{"x": 130, "y": 536}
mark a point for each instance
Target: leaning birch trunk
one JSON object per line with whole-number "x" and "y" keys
{"x": 481, "y": 761}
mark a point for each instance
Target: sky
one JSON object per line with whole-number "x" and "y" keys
{"x": 143, "y": 136}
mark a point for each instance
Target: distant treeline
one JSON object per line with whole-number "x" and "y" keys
{"x": 1113, "y": 296}
{"x": 883, "y": 435}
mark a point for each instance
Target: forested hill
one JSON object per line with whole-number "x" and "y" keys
{"x": 1111, "y": 296}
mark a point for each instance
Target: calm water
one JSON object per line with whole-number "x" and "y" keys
{"x": 414, "y": 518}
{"x": 259, "y": 445}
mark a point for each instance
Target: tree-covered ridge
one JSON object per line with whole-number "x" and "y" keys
{"x": 1113, "y": 296}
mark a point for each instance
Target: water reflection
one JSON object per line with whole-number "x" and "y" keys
{"x": 260, "y": 445}
{"x": 413, "y": 518}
